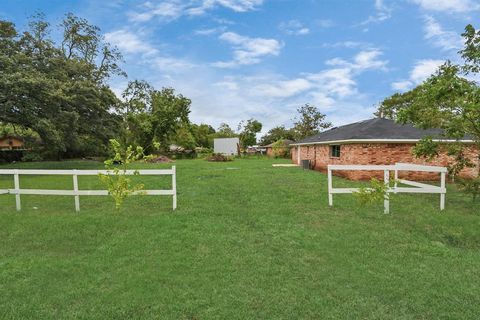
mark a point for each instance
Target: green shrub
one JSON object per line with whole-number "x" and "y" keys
{"x": 470, "y": 186}
{"x": 32, "y": 156}
{"x": 118, "y": 184}
{"x": 280, "y": 150}
{"x": 373, "y": 193}
{"x": 218, "y": 157}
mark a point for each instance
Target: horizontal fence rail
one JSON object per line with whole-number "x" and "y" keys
{"x": 418, "y": 187}
{"x": 76, "y": 192}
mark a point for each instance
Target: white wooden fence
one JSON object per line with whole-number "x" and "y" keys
{"x": 76, "y": 192}
{"x": 418, "y": 187}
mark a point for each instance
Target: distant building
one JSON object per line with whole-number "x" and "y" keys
{"x": 11, "y": 143}
{"x": 256, "y": 149}
{"x": 269, "y": 151}
{"x": 375, "y": 142}
{"x": 226, "y": 146}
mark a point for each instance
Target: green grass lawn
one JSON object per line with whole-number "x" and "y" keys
{"x": 248, "y": 241}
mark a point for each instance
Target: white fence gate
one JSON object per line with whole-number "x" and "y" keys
{"x": 76, "y": 192}
{"x": 418, "y": 186}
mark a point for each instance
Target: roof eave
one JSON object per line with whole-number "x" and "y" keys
{"x": 347, "y": 141}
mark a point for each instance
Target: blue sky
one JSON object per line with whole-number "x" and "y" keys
{"x": 238, "y": 59}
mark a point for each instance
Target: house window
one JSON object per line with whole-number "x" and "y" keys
{"x": 335, "y": 151}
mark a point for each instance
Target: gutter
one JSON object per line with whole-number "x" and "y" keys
{"x": 348, "y": 141}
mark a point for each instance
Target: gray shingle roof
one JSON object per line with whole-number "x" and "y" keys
{"x": 377, "y": 128}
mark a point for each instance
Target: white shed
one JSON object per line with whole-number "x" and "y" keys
{"x": 227, "y": 146}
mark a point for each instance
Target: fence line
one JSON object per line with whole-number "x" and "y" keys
{"x": 76, "y": 192}
{"x": 418, "y": 186}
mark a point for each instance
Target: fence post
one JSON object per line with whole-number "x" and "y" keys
{"x": 330, "y": 183}
{"x": 442, "y": 195}
{"x": 16, "y": 181}
{"x": 396, "y": 179}
{"x": 386, "y": 201}
{"x": 75, "y": 189}
{"x": 174, "y": 187}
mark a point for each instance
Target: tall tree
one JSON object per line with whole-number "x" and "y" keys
{"x": 248, "y": 132}
{"x": 59, "y": 94}
{"x": 446, "y": 100}
{"x": 310, "y": 121}
{"x": 203, "y": 134}
{"x": 277, "y": 133}
{"x": 225, "y": 131}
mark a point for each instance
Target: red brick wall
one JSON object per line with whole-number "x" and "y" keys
{"x": 377, "y": 153}
{"x": 269, "y": 152}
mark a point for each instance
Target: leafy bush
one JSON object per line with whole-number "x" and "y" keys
{"x": 32, "y": 156}
{"x": 118, "y": 184}
{"x": 280, "y": 150}
{"x": 374, "y": 193}
{"x": 218, "y": 157}
{"x": 470, "y": 186}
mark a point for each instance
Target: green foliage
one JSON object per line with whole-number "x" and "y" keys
{"x": 310, "y": 122}
{"x": 155, "y": 116}
{"x": 248, "y": 132}
{"x": 471, "y": 51}
{"x": 460, "y": 161}
{"x": 218, "y": 157}
{"x": 184, "y": 138}
{"x": 427, "y": 148}
{"x": 118, "y": 184}
{"x": 224, "y": 131}
{"x": 280, "y": 149}
{"x": 470, "y": 186}
{"x": 202, "y": 133}
{"x": 374, "y": 193}
{"x": 447, "y": 100}
{"x": 277, "y": 133}
{"x": 31, "y": 156}
{"x": 64, "y": 95}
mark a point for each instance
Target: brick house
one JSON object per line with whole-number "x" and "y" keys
{"x": 11, "y": 142}
{"x": 269, "y": 148}
{"x": 374, "y": 141}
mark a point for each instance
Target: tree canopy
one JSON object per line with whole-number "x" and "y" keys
{"x": 309, "y": 122}
{"x": 59, "y": 91}
{"x": 448, "y": 100}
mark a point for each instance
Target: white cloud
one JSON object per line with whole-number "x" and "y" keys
{"x": 336, "y": 82}
{"x": 129, "y": 42}
{"x": 402, "y": 85}
{"x": 269, "y": 97}
{"x": 369, "y": 59}
{"x": 294, "y": 27}
{"x": 168, "y": 10}
{"x": 445, "y": 40}
{"x": 419, "y": 73}
{"x": 273, "y": 98}
{"x": 283, "y": 89}
{"x": 248, "y": 50}
{"x": 171, "y": 64}
{"x": 365, "y": 59}
{"x": 424, "y": 69}
{"x": 448, "y": 5}
{"x": 382, "y": 13}
{"x": 210, "y": 31}
{"x": 346, "y": 44}
{"x": 173, "y": 9}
